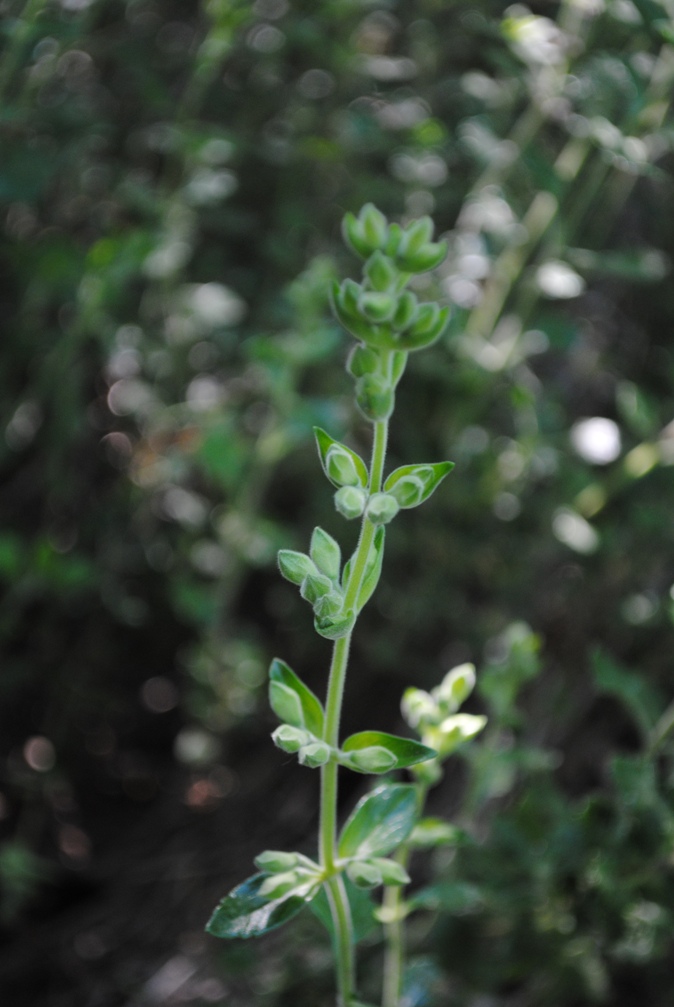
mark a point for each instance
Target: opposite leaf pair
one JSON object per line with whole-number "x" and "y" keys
{"x": 302, "y": 714}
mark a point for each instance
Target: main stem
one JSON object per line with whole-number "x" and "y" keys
{"x": 337, "y": 897}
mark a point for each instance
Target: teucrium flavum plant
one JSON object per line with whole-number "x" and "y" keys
{"x": 389, "y": 323}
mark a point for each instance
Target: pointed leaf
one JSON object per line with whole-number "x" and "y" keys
{"x": 412, "y": 484}
{"x": 342, "y": 466}
{"x": 404, "y": 751}
{"x": 312, "y": 710}
{"x": 380, "y": 821}
{"x": 246, "y": 913}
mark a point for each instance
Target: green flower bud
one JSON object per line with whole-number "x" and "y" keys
{"x": 364, "y": 874}
{"x": 290, "y": 739}
{"x": 286, "y": 704}
{"x": 375, "y": 226}
{"x": 374, "y": 397}
{"x": 408, "y": 491}
{"x": 391, "y": 871}
{"x": 381, "y": 508}
{"x": 295, "y": 566}
{"x": 276, "y": 861}
{"x": 419, "y": 708}
{"x": 375, "y": 759}
{"x": 455, "y": 688}
{"x": 329, "y": 606}
{"x": 277, "y": 885}
{"x": 350, "y": 501}
{"x": 453, "y": 732}
{"x": 315, "y": 754}
{"x": 377, "y": 306}
{"x": 381, "y": 272}
{"x": 333, "y": 627}
{"x": 427, "y": 257}
{"x": 416, "y": 234}
{"x": 406, "y": 310}
{"x": 363, "y": 360}
{"x": 340, "y": 466}
{"x": 395, "y": 235}
{"x": 325, "y": 552}
{"x": 315, "y": 586}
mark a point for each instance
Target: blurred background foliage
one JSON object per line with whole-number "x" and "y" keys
{"x": 172, "y": 180}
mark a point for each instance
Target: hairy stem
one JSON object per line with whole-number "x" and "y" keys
{"x": 339, "y": 904}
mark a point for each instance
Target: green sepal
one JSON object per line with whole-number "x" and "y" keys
{"x": 245, "y": 913}
{"x": 405, "y": 751}
{"x": 372, "y": 569}
{"x": 411, "y": 485}
{"x": 311, "y": 708}
{"x": 325, "y": 553}
{"x": 324, "y": 443}
{"x": 380, "y": 821}
{"x": 333, "y": 627}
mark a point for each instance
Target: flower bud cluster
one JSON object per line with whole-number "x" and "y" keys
{"x": 288, "y": 874}
{"x": 434, "y": 716}
{"x": 318, "y": 578}
{"x": 387, "y": 319}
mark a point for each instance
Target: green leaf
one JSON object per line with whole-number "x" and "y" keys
{"x": 411, "y": 485}
{"x": 380, "y": 821}
{"x": 342, "y": 466}
{"x": 245, "y": 913}
{"x": 372, "y": 568}
{"x": 404, "y": 751}
{"x": 312, "y": 710}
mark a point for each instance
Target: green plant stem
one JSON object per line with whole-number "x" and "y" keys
{"x": 394, "y": 925}
{"x": 339, "y": 904}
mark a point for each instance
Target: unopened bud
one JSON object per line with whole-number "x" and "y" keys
{"x": 364, "y": 874}
{"x": 455, "y": 687}
{"x": 341, "y": 467}
{"x": 408, "y": 491}
{"x": 375, "y": 759}
{"x": 419, "y": 708}
{"x": 381, "y": 508}
{"x": 377, "y": 306}
{"x": 295, "y": 566}
{"x": 350, "y": 501}
{"x": 315, "y": 754}
{"x": 290, "y": 739}
{"x": 315, "y": 586}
